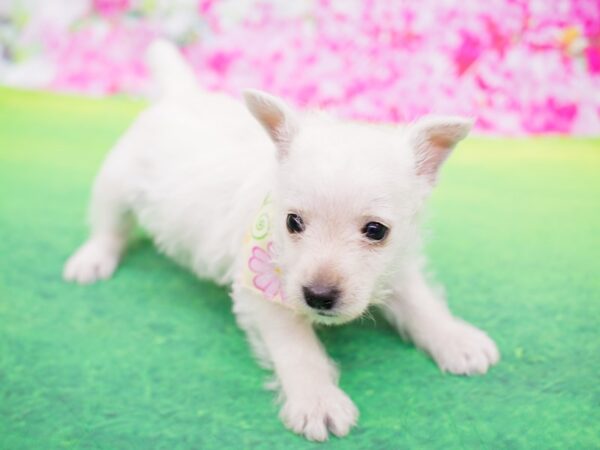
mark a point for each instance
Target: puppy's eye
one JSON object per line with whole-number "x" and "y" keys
{"x": 294, "y": 223}
{"x": 375, "y": 231}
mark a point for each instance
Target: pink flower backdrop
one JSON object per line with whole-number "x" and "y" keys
{"x": 519, "y": 67}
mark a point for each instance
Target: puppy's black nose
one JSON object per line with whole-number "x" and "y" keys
{"x": 320, "y": 297}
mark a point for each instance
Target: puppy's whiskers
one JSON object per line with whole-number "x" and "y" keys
{"x": 366, "y": 314}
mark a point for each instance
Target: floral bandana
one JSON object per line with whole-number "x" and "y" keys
{"x": 261, "y": 272}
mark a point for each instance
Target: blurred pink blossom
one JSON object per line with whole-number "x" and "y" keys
{"x": 110, "y": 8}
{"x": 517, "y": 66}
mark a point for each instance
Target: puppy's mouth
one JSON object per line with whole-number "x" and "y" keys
{"x": 328, "y": 318}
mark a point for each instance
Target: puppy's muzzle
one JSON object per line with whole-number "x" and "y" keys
{"x": 321, "y": 298}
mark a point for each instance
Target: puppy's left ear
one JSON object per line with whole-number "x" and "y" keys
{"x": 276, "y": 117}
{"x": 433, "y": 138}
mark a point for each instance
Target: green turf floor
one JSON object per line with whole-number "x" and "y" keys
{"x": 153, "y": 359}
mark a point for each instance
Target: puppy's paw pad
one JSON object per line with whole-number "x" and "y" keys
{"x": 465, "y": 350}
{"x": 92, "y": 262}
{"x": 315, "y": 414}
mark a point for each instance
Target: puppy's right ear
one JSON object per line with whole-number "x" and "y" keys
{"x": 277, "y": 118}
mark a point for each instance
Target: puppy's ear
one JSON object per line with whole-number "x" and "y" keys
{"x": 277, "y": 118}
{"x": 433, "y": 138}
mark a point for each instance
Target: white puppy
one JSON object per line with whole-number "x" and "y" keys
{"x": 336, "y": 233}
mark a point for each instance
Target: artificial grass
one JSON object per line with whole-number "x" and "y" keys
{"x": 153, "y": 358}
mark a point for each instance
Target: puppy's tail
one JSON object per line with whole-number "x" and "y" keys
{"x": 169, "y": 69}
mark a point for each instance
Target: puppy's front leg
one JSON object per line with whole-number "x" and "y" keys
{"x": 313, "y": 403}
{"x": 420, "y": 314}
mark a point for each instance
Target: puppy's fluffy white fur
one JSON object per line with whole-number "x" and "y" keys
{"x": 194, "y": 169}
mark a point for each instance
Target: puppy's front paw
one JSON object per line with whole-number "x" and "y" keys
{"x": 93, "y": 261}
{"x": 312, "y": 414}
{"x": 463, "y": 349}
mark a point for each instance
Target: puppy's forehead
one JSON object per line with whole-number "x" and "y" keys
{"x": 321, "y": 136}
{"x": 339, "y": 203}
{"x": 346, "y": 169}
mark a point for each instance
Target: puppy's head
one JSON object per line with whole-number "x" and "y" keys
{"x": 347, "y": 202}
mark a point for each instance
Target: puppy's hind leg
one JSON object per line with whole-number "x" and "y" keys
{"x": 110, "y": 225}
